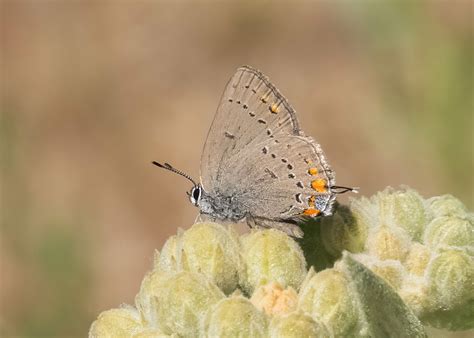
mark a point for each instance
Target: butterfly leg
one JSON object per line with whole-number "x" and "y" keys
{"x": 289, "y": 228}
{"x": 204, "y": 218}
{"x": 252, "y": 223}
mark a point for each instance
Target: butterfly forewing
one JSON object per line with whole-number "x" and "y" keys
{"x": 256, "y": 153}
{"x": 243, "y": 113}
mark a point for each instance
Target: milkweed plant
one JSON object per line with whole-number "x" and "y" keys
{"x": 384, "y": 266}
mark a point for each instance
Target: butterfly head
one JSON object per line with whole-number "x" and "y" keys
{"x": 199, "y": 198}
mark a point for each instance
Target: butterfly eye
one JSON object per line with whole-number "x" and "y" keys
{"x": 196, "y": 193}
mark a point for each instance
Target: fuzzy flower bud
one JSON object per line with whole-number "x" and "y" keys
{"x": 392, "y": 271}
{"x": 388, "y": 243}
{"x": 343, "y": 231}
{"x": 271, "y": 255}
{"x": 414, "y": 292}
{"x": 167, "y": 259}
{"x": 234, "y": 317}
{"x": 382, "y": 312}
{"x": 119, "y": 322}
{"x": 145, "y": 300}
{"x": 451, "y": 290}
{"x": 402, "y": 208}
{"x": 450, "y": 231}
{"x": 326, "y": 296}
{"x": 365, "y": 212}
{"x": 446, "y": 205}
{"x": 213, "y": 250}
{"x": 296, "y": 325}
{"x": 273, "y": 299}
{"x": 176, "y": 302}
{"x": 417, "y": 259}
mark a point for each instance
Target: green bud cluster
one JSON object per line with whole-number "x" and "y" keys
{"x": 399, "y": 262}
{"x": 422, "y": 248}
{"x": 208, "y": 281}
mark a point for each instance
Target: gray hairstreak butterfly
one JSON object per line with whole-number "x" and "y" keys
{"x": 257, "y": 164}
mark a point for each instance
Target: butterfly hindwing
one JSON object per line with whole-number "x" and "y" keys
{"x": 289, "y": 179}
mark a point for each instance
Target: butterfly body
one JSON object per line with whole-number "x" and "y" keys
{"x": 223, "y": 207}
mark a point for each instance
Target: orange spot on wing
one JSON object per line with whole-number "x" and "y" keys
{"x": 312, "y": 171}
{"x": 311, "y": 201}
{"x": 311, "y": 212}
{"x": 319, "y": 185}
{"x": 274, "y": 108}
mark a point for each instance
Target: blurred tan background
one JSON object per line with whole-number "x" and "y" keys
{"x": 92, "y": 91}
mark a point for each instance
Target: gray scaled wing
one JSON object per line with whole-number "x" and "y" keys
{"x": 256, "y": 153}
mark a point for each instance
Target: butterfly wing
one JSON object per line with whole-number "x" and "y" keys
{"x": 256, "y": 154}
{"x": 240, "y": 118}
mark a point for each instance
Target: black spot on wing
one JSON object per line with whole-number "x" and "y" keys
{"x": 229, "y": 135}
{"x": 271, "y": 173}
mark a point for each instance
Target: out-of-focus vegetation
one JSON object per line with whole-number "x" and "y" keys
{"x": 92, "y": 91}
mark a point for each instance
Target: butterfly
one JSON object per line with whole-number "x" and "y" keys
{"x": 257, "y": 164}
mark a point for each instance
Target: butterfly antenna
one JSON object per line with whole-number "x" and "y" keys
{"x": 340, "y": 190}
{"x": 169, "y": 167}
